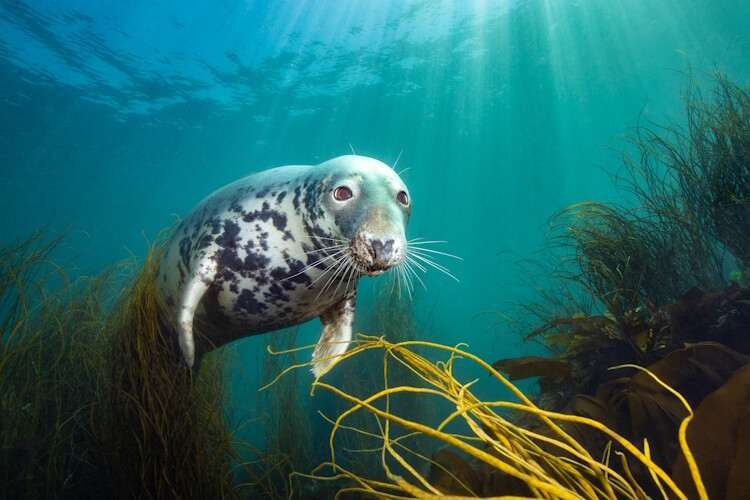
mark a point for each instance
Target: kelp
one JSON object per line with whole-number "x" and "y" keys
{"x": 631, "y": 282}
{"x": 50, "y": 351}
{"x": 283, "y": 418}
{"x": 293, "y": 443}
{"x": 478, "y": 451}
{"x": 690, "y": 191}
{"x": 94, "y": 401}
{"x": 162, "y": 427}
{"x": 719, "y": 438}
{"x": 586, "y": 346}
{"x": 645, "y": 282}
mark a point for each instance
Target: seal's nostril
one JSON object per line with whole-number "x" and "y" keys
{"x": 382, "y": 250}
{"x": 377, "y": 248}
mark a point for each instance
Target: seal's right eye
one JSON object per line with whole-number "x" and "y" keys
{"x": 342, "y": 193}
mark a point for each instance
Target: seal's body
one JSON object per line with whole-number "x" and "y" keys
{"x": 281, "y": 247}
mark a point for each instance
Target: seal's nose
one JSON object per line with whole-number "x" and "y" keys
{"x": 382, "y": 251}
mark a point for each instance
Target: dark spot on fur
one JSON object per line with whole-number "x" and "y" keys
{"x": 275, "y": 289}
{"x": 204, "y": 242}
{"x": 292, "y": 275}
{"x": 236, "y": 207}
{"x": 229, "y": 237}
{"x": 297, "y": 196}
{"x": 277, "y": 217}
{"x": 248, "y": 303}
{"x": 280, "y": 197}
{"x": 215, "y": 224}
{"x": 228, "y": 264}
{"x": 256, "y": 261}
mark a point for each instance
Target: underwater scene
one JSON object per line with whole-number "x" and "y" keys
{"x": 375, "y": 249}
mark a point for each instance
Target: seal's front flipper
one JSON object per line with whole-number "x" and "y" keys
{"x": 200, "y": 279}
{"x": 337, "y": 332}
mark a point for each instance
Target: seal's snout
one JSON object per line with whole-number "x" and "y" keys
{"x": 376, "y": 254}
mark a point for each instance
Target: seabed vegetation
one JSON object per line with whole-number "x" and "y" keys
{"x": 644, "y": 392}
{"x": 93, "y": 402}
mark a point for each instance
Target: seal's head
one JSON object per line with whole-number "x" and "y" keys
{"x": 366, "y": 205}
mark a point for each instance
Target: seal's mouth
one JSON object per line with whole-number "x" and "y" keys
{"x": 371, "y": 271}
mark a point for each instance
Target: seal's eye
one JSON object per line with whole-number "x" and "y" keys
{"x": 402, "y": 197}
{"x": 342, "y": 193}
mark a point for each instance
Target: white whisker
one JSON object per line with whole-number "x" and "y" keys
{"x": 421, "y": 241}
{"x": 415, "y": 250}
{"x": 435, "y": 265}
{"x": 411, "y": 260}
{"x": 352, "y": 272}
{"x": 407, "y": 266}
{"x": 402, "y": 278}
{"x": 340, "y": 240}
{"x": 427, "y": 260}
{"x": 339, "y": 266}
{"x": 314, "y": 264}
{"x": 324, "y": 287}
{"x": 338, "y": 261}
{"x": 346, "y": 268}
{"x": 314, "y": 251}
{"x": 409, "y": 284}
{"x": 397, "y": 159}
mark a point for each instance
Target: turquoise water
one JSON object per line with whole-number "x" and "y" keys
{"x": 118, "y": 115}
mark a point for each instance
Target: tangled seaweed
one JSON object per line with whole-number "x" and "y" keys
{"x": 690, "y": 215}
{"x": 162, "y": 427}
{"x": 646, "y": 283}
{"x": 502, "y": 458}
{"x": 50, "y": 352}
{"x": 293, "y": 443}
{"x": 93, "y": 403}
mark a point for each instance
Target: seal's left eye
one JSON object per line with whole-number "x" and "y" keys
{"x": 402, "y": 197}
{"x": 342, "y": 193}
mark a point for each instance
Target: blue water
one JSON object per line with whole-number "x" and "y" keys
{"x": 118, "y": 115}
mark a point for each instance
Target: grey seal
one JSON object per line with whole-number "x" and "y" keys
{"x": 281, "y": 247}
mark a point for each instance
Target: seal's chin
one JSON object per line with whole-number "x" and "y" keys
{"x": 369, "y": 268}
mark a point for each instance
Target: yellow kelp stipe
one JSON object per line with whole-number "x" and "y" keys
{"x": 547, "y": 460}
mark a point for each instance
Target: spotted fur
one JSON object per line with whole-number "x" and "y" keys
{"x": 256, "y": 255}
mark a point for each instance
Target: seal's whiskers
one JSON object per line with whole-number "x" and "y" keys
{"x": 352, "y": 273}
{"x": 418, "y": 256}
{"x": 409, "y": 264}
{"x": 339, "y": 265}
{"x": 396, "y": 162}
{"x": 328, "y": 269}
{"x": 434, "y": 265}
{"x": 313, "y": 251}
{"x": 317, "y": 262}
{"x": 345, "y": 268}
